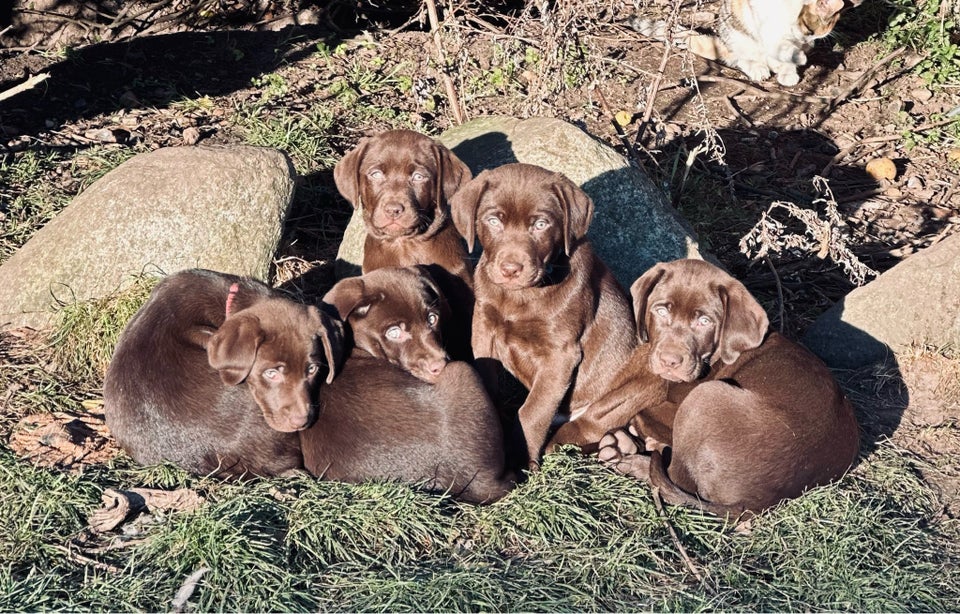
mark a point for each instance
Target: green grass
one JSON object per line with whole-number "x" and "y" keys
{"x": 576, "y": 537}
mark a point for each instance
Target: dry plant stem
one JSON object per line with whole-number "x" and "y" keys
{"x": 759, "y": 91}
{"x": 85, "y": 560}
{"x": 687, "y": 561}
{"x": 617, "y": 128}
{"x": 442, "y": 59}
{"x": 858, "y": 85}
{"x": 776, "y": 278}
{"x": 655, "y": 88}
{"x": 32, "y": 82}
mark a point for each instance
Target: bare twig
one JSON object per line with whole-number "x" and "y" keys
{"x": 776, "y": 278}
{"x": 857, "y": 86}
{"x": 736, "y": 112}
{"x": 687, "y": 561}
{"x": 32, "y": 82}
{"x": 85, "y": 560}
{"x": 759, "y": 91}
{"x": 619, "y": 129}
{"x": 452, "y": 97}
{"x": 655, "y": 87}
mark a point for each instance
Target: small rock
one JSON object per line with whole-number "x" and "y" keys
{"x": 915, "y": 183}
{"x": 954, "y": 154}
{"x": 882, "y": 168}
{"x": 892, "y": 193}
{"x": 191, "y": 135}
{"x": 103, "y": 135}
{"x": 921, "y": 94}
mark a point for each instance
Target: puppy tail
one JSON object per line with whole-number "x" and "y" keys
{"x": 671, "y": 493}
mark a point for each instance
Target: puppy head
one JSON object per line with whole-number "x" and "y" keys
{"x": 522, "y": 215}
{"x": 275, "y": 347}
{"x": 402, "y": 180}
{"x": 695, "y": 314}
{"x": 395, "y": 314}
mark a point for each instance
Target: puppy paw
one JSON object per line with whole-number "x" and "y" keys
{"x": 615, "y": 445}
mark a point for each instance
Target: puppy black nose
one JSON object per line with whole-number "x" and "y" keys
{"x": 671, "y": 360}
{"x": 510, "y": 269}
{"x": 393, "y": 210}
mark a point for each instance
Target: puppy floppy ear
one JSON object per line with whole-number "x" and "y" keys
{"x": 331, "y": 336}
{"x": 346, "y": 174}
{"x": 433, "y": 275}
{"x": 232, "y": 350}
{"x": 745, "y": 323}
{"x": 577, "y": 210}
{"x": 640, "y": 292}
{"x": 347, "y": 296}
{"x": 452, "y": 173}
{"x": 463, "y": 208}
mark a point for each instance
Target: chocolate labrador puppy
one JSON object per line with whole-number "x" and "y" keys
{"x": 401, "y": 181}
{"x": 399, "y": 410}
{"x": 759, "y": 418}
{"x": 217, "y": 373}
{"x": 547, "y": 309}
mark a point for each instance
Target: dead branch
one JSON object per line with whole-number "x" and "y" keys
{"x": 30, "y": 83}
{"x": 448, "y": 85}
{"x": 655, "y": 87}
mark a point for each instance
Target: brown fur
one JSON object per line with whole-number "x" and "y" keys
{"x": 759, "y": 418}
{"x": 218, "y": 393}
{"x": 387, "y": 415}
{"x": 548, "y": 310}
{"x": 402, "y": 181}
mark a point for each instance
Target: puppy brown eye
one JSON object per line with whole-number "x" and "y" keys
{"x": 661, "y": 311}
{"x": 272, "y": 375}
{"x": 494, "y": 222}
{"x": 393, "y": 333}
{"x": 704, "y": 321}
{"x": 375, "y": 174}
{"x": 418, "y": 176}
{"x": 312, "y": 368}
{"x": 541, "y": 225}
{"x": 432, "y": 319}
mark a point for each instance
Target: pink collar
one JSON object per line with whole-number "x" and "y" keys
{"x": 233, "y": 293}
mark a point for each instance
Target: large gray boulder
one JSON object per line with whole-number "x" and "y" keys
{"x": 915, "y": 302}
{"x": 634, "y": 225}
{"x": 220, "y": 208}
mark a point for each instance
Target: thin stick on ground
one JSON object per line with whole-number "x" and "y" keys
{"x": 452, "y": 97}
{"x": 687, "y": 561}
{"x": 857, "y": 86}
{"x": 655, "y": 87}
{"x": 85, "y": 560}
{"x": 30, "y": 83}
{"x": 776, "y": 278}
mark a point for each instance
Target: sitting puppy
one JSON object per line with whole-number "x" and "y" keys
{"x": 758, "y": 418}
{"x": 399, "y": 410}
{"x": 547, "y": 309}
{"x": 217, "y": 373}
{"x": 402, "y": 180}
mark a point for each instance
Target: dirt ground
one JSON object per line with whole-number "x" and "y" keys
{"x": 723, "y": 148}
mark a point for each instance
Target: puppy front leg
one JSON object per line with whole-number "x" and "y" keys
{"x": 547, "y": 392}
